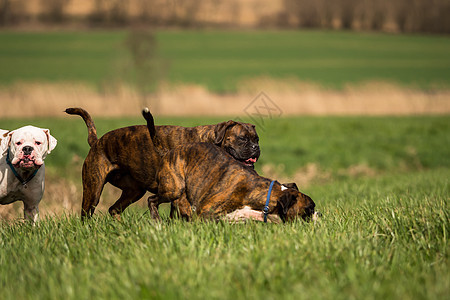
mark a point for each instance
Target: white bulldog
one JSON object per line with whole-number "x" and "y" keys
{"x": 22, "y": 170}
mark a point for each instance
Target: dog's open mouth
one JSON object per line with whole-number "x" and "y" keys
{"x": 250, "y": 161}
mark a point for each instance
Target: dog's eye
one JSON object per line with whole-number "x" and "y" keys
{"x": 37, "y": 143}
{"x": 243, "y": 138}
{"x": 19, "y": 143}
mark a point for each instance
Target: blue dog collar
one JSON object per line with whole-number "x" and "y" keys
{"x": 23, "y": 181}
{"x": 266, "y": 207}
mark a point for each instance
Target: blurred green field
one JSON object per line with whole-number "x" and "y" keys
{"x": 220, "y": 60}
{"x": 384, "y": 144}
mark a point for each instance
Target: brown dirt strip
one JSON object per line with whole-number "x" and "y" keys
{"x": 289, "y": 98}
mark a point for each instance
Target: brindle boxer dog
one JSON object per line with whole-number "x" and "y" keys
{"x": 215, "y": 185}
{"x": 128, "y": 158}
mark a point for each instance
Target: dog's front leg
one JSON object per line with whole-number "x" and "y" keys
{"x": 153, "y": 203}
{"x": 182, "y": 207}
{"x": 31, "y": 212}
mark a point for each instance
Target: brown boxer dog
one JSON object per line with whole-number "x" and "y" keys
{"x": 128, "y": 158}
{"x": 207, "y": 181}
{"x": 217, "y": 186}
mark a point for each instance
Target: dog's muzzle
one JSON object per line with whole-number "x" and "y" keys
{"x": 250, "y": 159}
{"x": 27, "y": 159}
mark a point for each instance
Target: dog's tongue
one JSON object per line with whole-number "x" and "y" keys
{"x": 251, "y": 160}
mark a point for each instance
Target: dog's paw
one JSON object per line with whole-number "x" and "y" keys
{"x": 316, "y": 216}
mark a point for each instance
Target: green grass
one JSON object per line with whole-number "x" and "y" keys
{"x": 59, "y": 56}
{"x": 383, "y": 236}
{"x": 220, "y": 60}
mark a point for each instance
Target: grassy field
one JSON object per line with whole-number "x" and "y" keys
{"x": 382, "y": 183}
{"x": 221, "y": 60}
{"x": 384, "y": 144}
{"x": 379, "y": 238}
{"x": 384, "y": 231}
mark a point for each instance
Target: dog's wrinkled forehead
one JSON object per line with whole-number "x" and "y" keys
{"x": 244, "y": 129}
{"x": 28, "y": 135}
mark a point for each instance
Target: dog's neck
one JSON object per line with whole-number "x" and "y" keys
{"x": 206, "y": 136}
{"x": 257, "y": 198}
{"x": 164, "y": 143}
{"x": 23, "y": 175}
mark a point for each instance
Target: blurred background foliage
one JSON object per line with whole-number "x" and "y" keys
{"x": 379, "y": 15}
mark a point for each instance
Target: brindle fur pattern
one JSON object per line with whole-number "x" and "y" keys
{"x": 214, "y": 184}
{"x": 238, "y": 139}
{"x": 128, "y": 157}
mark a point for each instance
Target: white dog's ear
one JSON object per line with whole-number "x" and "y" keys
{"x": 51, "y": 141}
{"x": 5, "y": 141}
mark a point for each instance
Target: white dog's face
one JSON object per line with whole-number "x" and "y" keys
{"x": 28, "y": 146}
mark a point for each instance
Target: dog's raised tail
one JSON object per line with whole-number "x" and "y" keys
{"x": 150, "y": 122}
{"x": 92, "y": 131}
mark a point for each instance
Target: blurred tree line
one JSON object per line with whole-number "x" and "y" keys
{"x": 429, "y": 16}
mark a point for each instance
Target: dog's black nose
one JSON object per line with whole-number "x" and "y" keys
{"x": 27, "y": 150}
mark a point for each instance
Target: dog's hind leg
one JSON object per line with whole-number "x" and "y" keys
{"x": 128, "y": 196}
{"x": 94, "y": 179}
{"x": 179, "y": 207}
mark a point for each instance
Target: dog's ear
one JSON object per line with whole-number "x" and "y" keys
{"x": 5, "y": 142}
{"x": 221, "y": 129}
{"x": 291, "y": 185}
{"x": 51, "y": 141}
{"x": 287, "y": 199}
